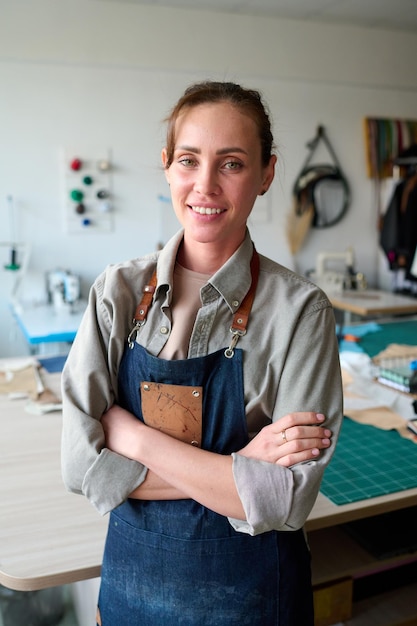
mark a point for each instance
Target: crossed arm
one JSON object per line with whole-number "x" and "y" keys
{"x": 178, "y": 470}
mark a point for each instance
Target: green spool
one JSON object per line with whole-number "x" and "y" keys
{"x": 76, "y": 195}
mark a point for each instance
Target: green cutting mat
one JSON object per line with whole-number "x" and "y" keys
{"x": 368, "y": 461}
{"x": 404, "y": 332}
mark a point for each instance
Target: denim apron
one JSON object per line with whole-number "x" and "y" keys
{"x": 177, "y": 563}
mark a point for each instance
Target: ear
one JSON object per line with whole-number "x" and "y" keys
{"x": 164, "y": 159}
{"x": 268, "y": 175}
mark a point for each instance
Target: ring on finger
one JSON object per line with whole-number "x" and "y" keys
{"x": 284, "y": 435}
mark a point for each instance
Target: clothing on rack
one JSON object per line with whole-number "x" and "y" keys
{"x": 398, "y": 237}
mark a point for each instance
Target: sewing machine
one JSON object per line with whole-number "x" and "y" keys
{"x": 335, "y": 272}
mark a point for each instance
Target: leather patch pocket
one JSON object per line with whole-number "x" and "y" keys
{"x": 176, "y": 410}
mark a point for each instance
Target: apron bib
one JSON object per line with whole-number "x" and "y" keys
{"x": 177, "y": 563}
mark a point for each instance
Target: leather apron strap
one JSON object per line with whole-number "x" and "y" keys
{"x": 240, "y": 318}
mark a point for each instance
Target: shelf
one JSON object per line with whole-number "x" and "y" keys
{"x": 336, "y": 555}
{"x": 392, "y": 608}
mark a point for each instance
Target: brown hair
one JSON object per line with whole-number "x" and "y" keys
{"x": 248, "y": 101}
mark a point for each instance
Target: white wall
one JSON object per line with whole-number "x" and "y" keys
{"x": 87, "y": 76}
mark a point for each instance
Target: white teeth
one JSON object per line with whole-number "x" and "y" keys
{"x": 205, "y": 210}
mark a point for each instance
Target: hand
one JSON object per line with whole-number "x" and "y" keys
{"x": 294, "y": 438}
{"x": 121, "y": 430}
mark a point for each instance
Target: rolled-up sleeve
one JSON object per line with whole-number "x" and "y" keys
{"x": 88, "y": 383}
{"x": 275, "y": 497}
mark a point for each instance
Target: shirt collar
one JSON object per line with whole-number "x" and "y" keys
{"x": 232, "y": 281}
{"x": 166, "y": 261}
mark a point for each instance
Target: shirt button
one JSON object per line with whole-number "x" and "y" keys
{"x": 164, "y": 330}
{"x": 235, "y": 303}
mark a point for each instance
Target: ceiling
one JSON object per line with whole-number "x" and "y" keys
{"x": 385, "y": 14}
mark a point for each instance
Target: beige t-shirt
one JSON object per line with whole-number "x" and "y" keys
{"x": 184, "y": 306}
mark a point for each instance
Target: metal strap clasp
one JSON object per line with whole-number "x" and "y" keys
{"x": 241, "y": 317}
{"x": 229, "y": 352}
{"x": 142, "y": 309}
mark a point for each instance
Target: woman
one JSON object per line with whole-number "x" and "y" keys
{"x": 229, "y": 352}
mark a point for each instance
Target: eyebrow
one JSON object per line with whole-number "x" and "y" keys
{"x": 220, "y": 152}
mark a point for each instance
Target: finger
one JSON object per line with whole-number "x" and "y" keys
{"x": 305, "y": 432}
{"x": 301, "y": 445}
{"x": 305, "y": 418}
{"x": 298, "y": 457}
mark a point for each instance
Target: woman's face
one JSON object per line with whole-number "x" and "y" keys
{"x": 216, "y": 173}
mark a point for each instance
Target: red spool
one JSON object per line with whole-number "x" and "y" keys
{"x": 76, "y": 164}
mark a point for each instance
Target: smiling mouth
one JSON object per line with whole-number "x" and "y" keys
{"x": 201, "y": 210}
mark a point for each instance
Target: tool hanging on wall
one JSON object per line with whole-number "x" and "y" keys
{"x": 321, "y": 194}
{"x": 13, "y": 264}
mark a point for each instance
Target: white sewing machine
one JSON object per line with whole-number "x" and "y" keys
{"x": 335, "y": 272}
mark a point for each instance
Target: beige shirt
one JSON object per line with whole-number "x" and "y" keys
{"x": 184, "y": 306}
{"x": 290, "y": 363}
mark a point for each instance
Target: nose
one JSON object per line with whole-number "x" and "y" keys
{"x": 207, "y": 181}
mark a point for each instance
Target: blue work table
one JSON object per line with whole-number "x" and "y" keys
{"x": 43, "y": 324}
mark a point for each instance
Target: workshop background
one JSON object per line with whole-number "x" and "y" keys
{"x": 94, "y": 80}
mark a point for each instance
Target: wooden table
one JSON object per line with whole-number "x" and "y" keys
{"x": 326, "y": 514}
{"x": 50, "y": 537}
{"x": 372, "y": 302}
